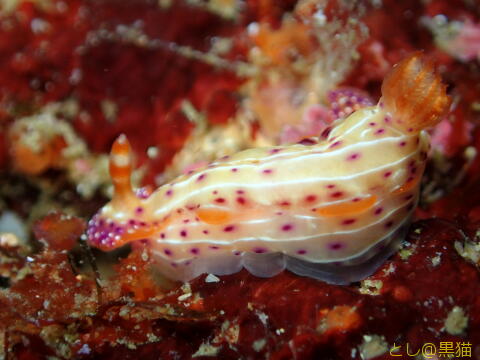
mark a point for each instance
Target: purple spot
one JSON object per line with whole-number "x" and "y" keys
{"x": 259, "y": 250}
{"x": 410, "y": 129}
{"x": 348, "y": 221}
{"x": 229, "y": 228}
{"x": 169, "y": 192}
{"x": 372, "y": 124}
{"x": 378, "y": 211}
{"x": 236, "y": 253}
{"x": 214, "y": 192}
{"x": 337, "y": 194}
{"x": 307, "y": 142}
{"x": 330, "y": 186}
{"x": 336, "y": 246}
{"x": 226, "y": 157}
{"x": 274, "y": 151}
{"x": 240, "y": 192}
{"x": 213, "y": 247}
{"x": 389, "y": 224}
{"x": 174, "y": 264}
{"x": 219, "y": 200}
{"x": 186, "y": 221}
{"x": 301, "y": 252}
{"x": 233, "y": 169}
{"x": 387, "y": 119}
{"x": 143, "y": 223}
{"x": 143, "y": 193}
{"x": 183, "y": 233}
{"x": 379, "y": 131}
{"x": 353, "y": 157}
{"x": 241, "y": 200}
{"x": 162, "y": 235}
{"x": 336, "y": 143}
{"x": 387, "y": 174}
{"x": 206, "y": 232}
{"x": 402, "y": 143}
{"x": 168, "y": 252}
{"x": 201, "y": 177}
{"x": 267, "y": 171}
{"x": 284, "y": 203}
{"x": 195, "y": 251}
{"x": 139, "y": 210}
{"x": 287, "y": 227}
{"x": 326, "y": 132}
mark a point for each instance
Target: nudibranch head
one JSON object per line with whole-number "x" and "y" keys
{"x": 123, "y": 219}
{"x": 333, "y": 210}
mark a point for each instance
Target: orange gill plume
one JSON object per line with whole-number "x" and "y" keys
{"x": 414, "y": 94}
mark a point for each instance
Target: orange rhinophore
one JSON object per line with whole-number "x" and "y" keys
{"x": 414, "y": 92}
{"x": 121, "y": 167}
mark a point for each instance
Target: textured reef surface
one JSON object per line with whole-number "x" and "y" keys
{"x": 190, "y": 81}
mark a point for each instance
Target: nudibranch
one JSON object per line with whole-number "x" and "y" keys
{"x": 334, "y": 210}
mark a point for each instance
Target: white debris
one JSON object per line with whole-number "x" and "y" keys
{"x": 12, "y": 224}
{"x": 211, "y": 278}
{"x": 456, "y": 321}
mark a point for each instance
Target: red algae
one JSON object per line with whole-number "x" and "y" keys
{"x": 134, "y": 274}
{"x": 103, "y": 54}
{"x": 281, "y": 316}
{"x": 59, "y": 231}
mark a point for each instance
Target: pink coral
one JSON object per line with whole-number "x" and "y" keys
{"x": 316, "y": 119}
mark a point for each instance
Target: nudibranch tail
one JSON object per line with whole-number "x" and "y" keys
{"x": 121, "y": 168}
{"x": 414, "y": 94}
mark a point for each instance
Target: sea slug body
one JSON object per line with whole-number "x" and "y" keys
{"x": 334, "y": 210}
